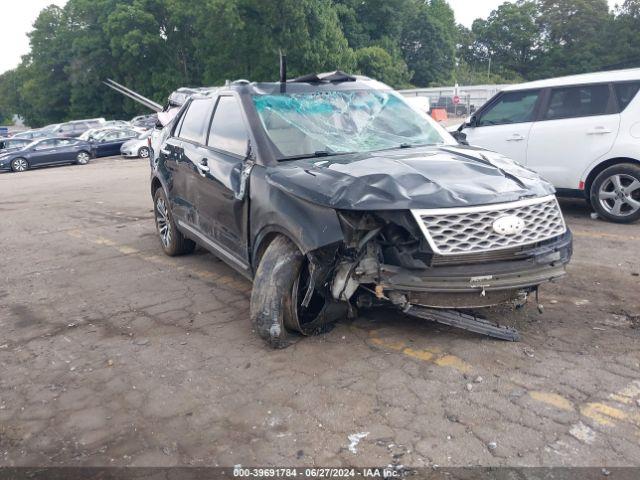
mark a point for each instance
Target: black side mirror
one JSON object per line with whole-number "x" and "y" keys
{"x": 460, "y": 137}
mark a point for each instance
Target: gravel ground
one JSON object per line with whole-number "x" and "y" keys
{"x": 113, "y": 354}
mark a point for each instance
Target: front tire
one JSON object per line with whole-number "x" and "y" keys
{"x": 19, "y": 165}
{"x": 172, "y": 241}
{"x": 615, "y": 193}
{"x": 82, "y": 158}
{"x": 272, "y": 297}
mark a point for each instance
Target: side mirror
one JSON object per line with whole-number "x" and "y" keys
{"x": 461, "y": 137}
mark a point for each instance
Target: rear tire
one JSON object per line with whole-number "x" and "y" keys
{"x": 172, "y": 241}
{"x": 143, "y": 152}
{"x": 272, "y": 296}
{"x": 19, "y": 165}
{"x": 615, "y": 193}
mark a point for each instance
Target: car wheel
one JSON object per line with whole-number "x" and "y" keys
{"x": 82, "y": 158}
{"x": 279, "y": 287}
{"x": 19, "y": 165}
{"x": 615, "y": 193}
{"x": 172, "y": 241}
{"x": 272, "y": 294}
{"x": 143, "y": 152}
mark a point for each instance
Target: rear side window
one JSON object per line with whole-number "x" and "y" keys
{"x": 511, "y": 107}
{"x": 625, "y": 93}
{"x": 227, "y": 131}
{"x": 582, "y": 101}
{"x": 196, "y": 120}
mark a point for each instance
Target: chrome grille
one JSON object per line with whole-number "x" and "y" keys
{"x": 452, "y": 231}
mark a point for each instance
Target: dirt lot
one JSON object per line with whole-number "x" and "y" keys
{"x": 113, "y": 354}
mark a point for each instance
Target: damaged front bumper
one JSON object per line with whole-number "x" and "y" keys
{"x": 484, "y": 284}
{"x": 467, "y": 285}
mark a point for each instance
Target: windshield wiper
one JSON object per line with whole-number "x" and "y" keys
{"x": 317, "y": 154}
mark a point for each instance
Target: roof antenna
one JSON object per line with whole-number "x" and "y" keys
{"x": 283, "y": 72}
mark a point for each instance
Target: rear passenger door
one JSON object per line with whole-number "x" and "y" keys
{"x": 504, "y": 126}
{"x": 577, "y": 125}
{"x": 66, "y": 150}
{"x": 222, "y": 210}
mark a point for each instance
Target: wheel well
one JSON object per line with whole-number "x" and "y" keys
{"x": 155, "y": 185}
{"x": 266, "y": 240}
{"x": 600, "y": 168}
{"x": 262, "y": 247}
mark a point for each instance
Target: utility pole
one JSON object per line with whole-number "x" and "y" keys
{"x": 489, "y": 71}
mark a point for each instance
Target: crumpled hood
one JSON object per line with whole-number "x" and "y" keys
{"x": 424, "y": 177}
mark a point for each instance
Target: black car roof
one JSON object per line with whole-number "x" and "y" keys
{"x": 322, "y": 82}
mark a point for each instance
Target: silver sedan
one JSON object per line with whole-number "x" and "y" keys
{"x": 136, "y": 147}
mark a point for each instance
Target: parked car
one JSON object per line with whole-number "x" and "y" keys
{"x": 137, "y": 147}
{"x": 47, "y": 151}
{"x": 108, "y": 142}
{"x": 30, "y": 134}
{"x": 582, "y": 133}
{"x": 332, "y": 194}
{"x": 108, "y": 126}
{"x": 77, "y": 127}
{"x": 13, "y": 143}
{"x": 145, "y": 121}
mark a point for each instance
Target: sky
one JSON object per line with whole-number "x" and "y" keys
{"x": 17, "y": 19}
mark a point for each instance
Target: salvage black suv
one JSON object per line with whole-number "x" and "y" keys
{"x": 332, "y": 194}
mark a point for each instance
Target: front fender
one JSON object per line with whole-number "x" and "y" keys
{"x": 308, "y": 225}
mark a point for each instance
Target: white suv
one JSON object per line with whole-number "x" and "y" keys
{"x": 582, "y": 133}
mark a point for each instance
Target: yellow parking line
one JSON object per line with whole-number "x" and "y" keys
{"x": 552, "y": 399}
{"x": 599, "y": 412}
{"x": 431, "y": 355}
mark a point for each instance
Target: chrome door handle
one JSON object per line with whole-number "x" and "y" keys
{"x": 515, "y": 138}
{"x": 599, "y": 131}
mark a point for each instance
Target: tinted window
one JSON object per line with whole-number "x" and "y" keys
{"x": 583, "y": 101}
{"x": 196, "y": 120}
{"x": 512, "y": 107}
{"x": 65, "y": 142}
{"x": 626, "y": 92}
{"x": 45, "y": 144}
{"x": 227, "y": 131}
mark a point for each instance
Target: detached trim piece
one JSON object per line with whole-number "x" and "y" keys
{"x": 469, "y": 230}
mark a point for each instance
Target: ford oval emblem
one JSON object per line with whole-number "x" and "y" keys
{"x": 508, "y": 225}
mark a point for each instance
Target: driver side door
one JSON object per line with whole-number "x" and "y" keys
{"x": 505, "y": 125}
{"x": 222, "y": 209}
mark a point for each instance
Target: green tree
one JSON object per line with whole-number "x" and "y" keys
{"x": 377, "y": 63}
{"x": 428, "y": 42}
{"x": 572, "y": 34}
{"x": 509, "y": 37}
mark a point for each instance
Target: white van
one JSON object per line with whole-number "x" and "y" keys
{"x": 581, "y": 132}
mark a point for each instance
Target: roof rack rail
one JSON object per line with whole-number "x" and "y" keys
{"x": 327, "y": 77}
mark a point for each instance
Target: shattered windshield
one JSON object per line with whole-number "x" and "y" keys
{"x": 325, "y": 122}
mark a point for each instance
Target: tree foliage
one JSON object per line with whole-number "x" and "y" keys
{"x": 156, "y": 46}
